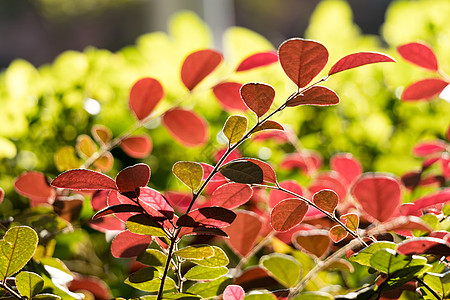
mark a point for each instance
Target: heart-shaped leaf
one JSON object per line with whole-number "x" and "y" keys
{"x": 233, "y": 292}
{"x": 198, "y": 65}
{"x": 242, "y": 171}
{"x": 142, "y": 224}
{"x": 83, "y": 179}
{"x": 287, "y": 214}
{"x": 316, "y": 242}
{"x": 197, "y": 252}
{"x": 351, "y": 221}
{"x": 101, "y": 134}
{"x": 326, "y": 200}
{"x": 284, "y": 268}
{"x": 337, "y": 233}
{"x": 419, "y": 54}
{"x": 29, "y": 284}
{"x": 347, "y": 166}
{"x": 132, "y": 178}
{"x": 235, "y": 128}
{"x": 105, "y": 162}
{"x": 316, "y": 95}
{"x": 199, "y": 273}
{"x": 17, "y": 247}
{"x": 258, "y": 97}
{"x": 231, "y": 195}
{"x": 129, "y": 244}
{"x": 424, "y": 89}
{"x": 359, "y": 59}
{"x": 244, "y": 231}
{"x": 85, "y": 146}
{"x": 229, "y": 96}
{"x": 378, "y": 194}
{"x": 137, "y": 146}
{"x": 186, "y": 127}
{"x": 190, "y": 173}
{"x": 302, "y": 60}
{"x": 268, "y": 125}
{"x": 207, "y": 216}
{"x": 144, "y": 96}
{"x": 257, "y": 60}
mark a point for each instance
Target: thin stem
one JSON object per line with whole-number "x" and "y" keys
{"x": 4, "y": 285}
{"x": 166, "y": 268}
{"x": 428, "y": 288}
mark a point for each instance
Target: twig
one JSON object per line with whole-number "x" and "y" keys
{"x": 4, "y": 285}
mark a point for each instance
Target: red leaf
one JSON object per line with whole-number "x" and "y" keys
{"x": 119, "y": 208}
{"x": 99, "y": 199}
{"x": 440, "y": 197}
{"x": 315, "y": 242}
{"x": 258, "y": 97}
{"x": 83, "y": 179}
{"x": 257, "y": 60}
{"x": 287, "y": 214}
{"x": 198, "y": 65}
{"x": 337, "y": 233}
{"x": 202, "y": 230}
{"x": 68, "y": 208}
{"x": 424, "y": 245}
{"x": 268, "y": 125}
{"x": 277, "y": 196}
{"x": 420, "y": 55}
{"x": 424, "y": 89}
{"x": 326, "y": 200}
{"x": 431, "y": 147}
{"x": 447, "y": 134}
{"x": 137, "y": 146}
{"x": 129, "y": 244}
{"x": 306, "y": 161}
{"x": 244, "y": 232}
{"x": 231, "y": 195}
{"x": 207, "y": 169}
{"x": 97, "y": 287}
{"x": 207, "y": 216}
{"x": 233, "y": 292}
{"x": 35, "y": 186}
{"x": 228, "y": 94}
{"x": 186, "y": 127}
{"x": 378, "y": 194}
{"x": 359, "y": 59}
{"x": 106, "y": 224}
{"x": 316, "y": 95}
{"x": 255, "y": 277}
{"x": 179, "y": 201}
{"x": 115, "y": 198}
{"x": 2, "y": 194}
{"x": 144, "y": 96}
{"x": 278, "y": 136}
{"x": 235, "y": 154}
{"x": 268, "y": 172}
{"x": 133, "y": 177}
{"x": 347, "y": 166}
{"x": 154, "y": 203}
{"x": 302, "y": 60}
{"x": 329, "y": 180}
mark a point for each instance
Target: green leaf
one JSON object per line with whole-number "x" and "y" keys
{"x": 219, "y": 259}
{"x": 152, "y": 258}
{"x": 313, "y": 296}
{"x": 211, "y": 288}
{"x": 363, "y": 257}
{"x": 284, "y": 268}
{"x": 205, "y": 273}
{"x": 184, "y": 296}
{"x": 141, "y": 224}
{"x": 190, "y": 173}
{"x": 29, "y": 284}
{"x": 195, "y": 252}
{"x": 440, "y": 283}
{"x": 147, "y": 279}
{"x": 17, "y": 248}
{"x": 235, "y": 128}
{"x": 388, "y": 261}
{"x": 243, "y": 172}
{"x": 46, "y": 296}
{"x": 260, "y": 295}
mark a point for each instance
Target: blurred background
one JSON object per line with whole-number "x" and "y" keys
{"x": 39, "y": 30}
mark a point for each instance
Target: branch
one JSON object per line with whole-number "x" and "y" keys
{"x": 9, "y": 289}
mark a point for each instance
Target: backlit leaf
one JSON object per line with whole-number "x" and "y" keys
{"x": 132, "y": 178}
{"x": 218, "y": 259}
{"x": 326, "y": 200}
{"x": 364, "y": 256}
{"x": 123, "y": 207}
{"x": 205, "y": 273}
{"x": 29, "y": 284}
{"x": 424, "y": 89}
{"x": 442, "y": 196}
{"x": 316, "y": 95}
{"x": 302, "y": 60}
{"x": 284, "y": 268}
{"x": 186, "y": 127}
{"x": 207, "y": 169}
{"x": 378, "y": 194}
{"x": 258, "y": 97}
{"x": 229, "y": 96}
{"x": 101, "y": 134}
{"x": 315, "y": 242}
{"x": 2, "y": 194}
{"x": 83, "y": 179}
{"x": 428, "y": 148}
{"x": 231, "y": 195}
{"x": 389, "y": 262}
{"x": 235, "y": 128}
{"x": 145, "y": 94}
{"x": 68, "y": 208}
{"x": 359, "y": 59}
{"x": 440, "y": 283}
{"x": 287, "y": 214}
{"x": 419, "y": 54}
{"x": 211, "y": 288}
{"x": 154, "y": 203}
{"x": 105, "y": 162}
{"x": 66, "y": 159}
{"x": 257, "y": 60}
{"x": 424, "y": 245}
{"x": 85, "y": 146}
{"x": 242, "y": 171}
{"x": 277, "y": 196}
{"x": 147, "y": 279}
{"x": 347, "y": 166}
{"x": 106, "y": 224}
{"x": 137, "y": 146}
{"x": 141, "y": 224}
{"x": 351, "y": 221}
{"x": 153, "y": 258}
{"x": 337, "y": 233}
{"x": 268, "y": 172}
{"x": 208, "y": 216}
{"x": 195, "y": 252}
{"x": 268, "y": 125}
{"x": 233, "y": 292}
{"x": 17, "y": 247}
{"x": 129, "y": 244}
{"x": 244, "y": 231}
{"x": 95, "y": 286}
{"x": 34, "y": 185}
{"x": 190, "y": 173}
{"x": 198, "y": 65}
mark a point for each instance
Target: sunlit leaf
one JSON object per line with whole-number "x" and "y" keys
{"x": 34, "y": 185}
{"x": 235, "y": 128}
{"x": 315, "y": 242}
{"x": 287, "y": 214}
{"x": 105, "y": 162}
{"x": 428, "y": 148}
{"x": 277, "y": 196}
{"x": 85, "y": 146}
{"x": 257, "y": 60}
{"x": 144, "y": 96}
{"x": 426, "y": 201}
{"x": 337, "y": 233}
{"x": 208, "y": 216}
{"x": 419, "y": 54}
{"x": 388, "y": 261}
{"x": 190, "y": 173}
{"x": 351, "y": 221}
{"x": 106, "y": 224}
{"x": 97, "y": 287}
{"x": 316, "y": 95}
{"x": 29, "y": 284}
{"x": 129, "y": 244}
{"x": 242, "y": 171}
{"x": 152, "y": 258}
{"x": 198, "y": 65}
{"x": 205, "y": 273}
{"x": 195, "y": 252}
{"x": 258, "y": 97}
{"x": 347, "y": 166}
{"x": 268, "y": 172}
{"x": 154, "y": 203}
{"x": 132, "y": 178}
{"x": 186, "y": 127}
{"x": 326, "y": 200}
{"x": 2, "y": 194}
{"x": 137, "y": 146}
{"x": 101, "y": 134}
{"x": 313, "y": 296}
{"x": 364, "y": 256}
{"x": 302, "y": 60}
{"x": 218, "y": 259}
{"x": 284, "y": 268}
{"x": 68, "y": 208}
{"x": 83, "y": 179}
{"x": 211, "y": 288}
{"x": 147, "y": 279}
{"x": 231, "y": 195}
{"x": 233, "y": 292}
{"x": 424, "y": 89}
{"x": 359, "y": 59}
{"x": 123, "y": 207}
{"x": 424, "y": 245}
{"x": 66, "y": 159}
{"x": 244, "y": 231}
{"x": 119, "y": 208}
{"x": 229, "y": 96}
{"x": 141, "y": 224}
{"x": 268, "y": 125}
{"x": 440, "y": 283}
